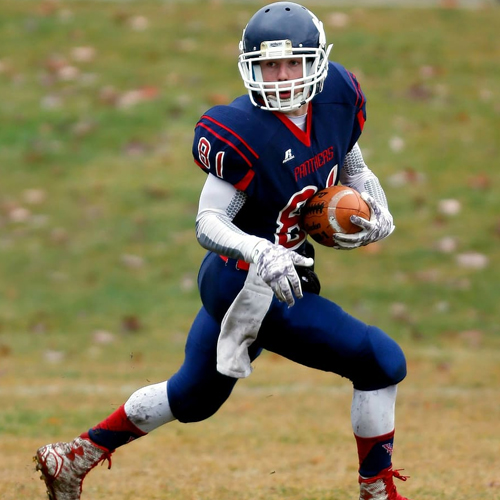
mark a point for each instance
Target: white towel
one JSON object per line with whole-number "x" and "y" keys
{"x": 241, "y": 325}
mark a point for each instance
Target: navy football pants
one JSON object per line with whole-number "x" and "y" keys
{"x": 315, "y": 332}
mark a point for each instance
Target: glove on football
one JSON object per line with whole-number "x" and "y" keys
{"x": 275, "y": 266}
{"x": 378, "y": 227}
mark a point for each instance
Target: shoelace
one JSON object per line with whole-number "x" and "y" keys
{"x": 396, "y": 473}
{"x": 106, "y": 456}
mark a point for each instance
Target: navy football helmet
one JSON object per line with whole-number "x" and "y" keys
{"x": 283, "y": 30}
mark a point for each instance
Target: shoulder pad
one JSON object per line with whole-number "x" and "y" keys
{"x": 225, "y": 144}
{"x": 342, "y": 86}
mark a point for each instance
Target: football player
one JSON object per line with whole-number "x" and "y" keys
{"x": 265, "y": 154}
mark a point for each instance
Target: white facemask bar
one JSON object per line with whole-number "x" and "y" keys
{"x": 315, "y": 67}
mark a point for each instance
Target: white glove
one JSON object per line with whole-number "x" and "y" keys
{"x": 378, "y": 227}
{"x": 275, "y": 266}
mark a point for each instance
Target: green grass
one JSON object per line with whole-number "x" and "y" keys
{"x": 121, "y": 181}
{"x": 97, "y": 208}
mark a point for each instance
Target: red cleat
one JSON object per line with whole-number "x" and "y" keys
{"x": 381, "y": 486}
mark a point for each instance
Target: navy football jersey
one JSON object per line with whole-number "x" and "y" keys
{"x": 275, "y": 163}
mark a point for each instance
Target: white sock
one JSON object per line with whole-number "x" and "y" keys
{"x": 148, "y": 408}
{"x": 372, "y": 412}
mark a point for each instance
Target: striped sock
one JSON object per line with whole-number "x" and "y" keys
{"x": 114, "y": 431}
{"x": 375, "y": 453}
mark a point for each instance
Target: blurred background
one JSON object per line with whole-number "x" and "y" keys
{"x": 98, "y": 193}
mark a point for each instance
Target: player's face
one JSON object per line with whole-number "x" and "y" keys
{"x": 283, "y": 70}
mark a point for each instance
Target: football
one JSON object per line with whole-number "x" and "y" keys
{"x": 329, "y": 211}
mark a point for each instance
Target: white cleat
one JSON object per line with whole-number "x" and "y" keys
{"x": 63, "y": 466}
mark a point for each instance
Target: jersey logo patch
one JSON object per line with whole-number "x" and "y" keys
{"x": 288, "y": 155}
{"x": 388, "y": 448}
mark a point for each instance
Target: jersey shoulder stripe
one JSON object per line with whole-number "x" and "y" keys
{"x": 228, "y": 142}
{"x": 230, "y": 129}
{"x": 341, "y": 86}
{"x": 237, "y": 136}
{"x": 360, "y": 97}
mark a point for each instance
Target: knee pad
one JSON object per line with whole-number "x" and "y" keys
{"x": 193, "y": 400}
{"x": 384, "y": 363}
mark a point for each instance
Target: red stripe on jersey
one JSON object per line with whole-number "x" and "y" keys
{"x": 201, "y": 165}
{"x": 361, "y": 119}
{"x": 226, "y": 141}
{"x": 233, "y": 133}
{"x": 353, "y": 81}
{"x": 303, "y": 137}
{"x": 243, "y": 184}
{"x": 360, "y": 98}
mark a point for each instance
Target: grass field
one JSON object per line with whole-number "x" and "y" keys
{"x": 98, "y": 257}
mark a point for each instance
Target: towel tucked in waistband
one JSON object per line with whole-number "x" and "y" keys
{"x": 241, "y": 325}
